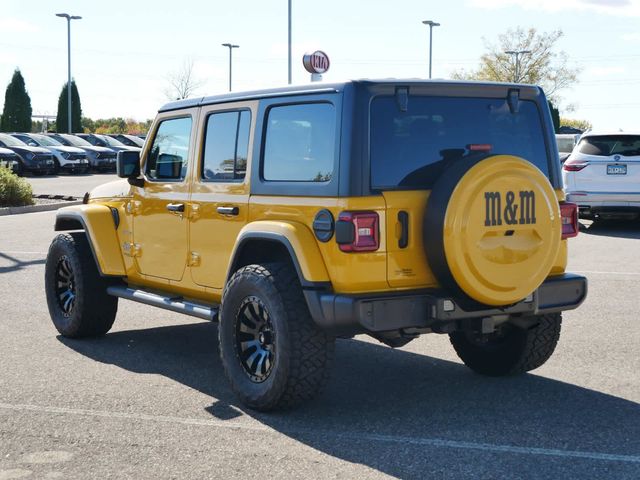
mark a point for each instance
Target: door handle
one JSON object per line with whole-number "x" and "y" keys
{"x": 228, "y": 210}
{"x": 175, "y": 207}
{"x": 403, "y": 218}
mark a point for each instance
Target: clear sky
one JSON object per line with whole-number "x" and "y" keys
{"x": 123, "y": 51}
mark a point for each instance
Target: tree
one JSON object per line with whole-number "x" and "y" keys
{"x": 583, "y": 125}
{"x": 182, "y": 83}
{"x": 16, "y": 115}
{"x": 541, "y": 65}
{"x": 62, "y": 121}
{"x": 555, "y": 116}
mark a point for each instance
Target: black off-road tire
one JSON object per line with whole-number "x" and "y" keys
{"x": 91, "y": 312}
{"x": 302, "y": 353}
{"x": 511, "y": 350}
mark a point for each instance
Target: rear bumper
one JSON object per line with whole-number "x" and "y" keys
{"x": 606, "y": 204}
{"x": 351, "y": 314}
{"x": 603, "y": 199}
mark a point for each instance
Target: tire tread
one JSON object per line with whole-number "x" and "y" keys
{"x": 310, "y": 349}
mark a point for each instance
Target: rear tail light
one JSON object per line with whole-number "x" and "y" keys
{"x": 573, "y": 166}
{"x": 569, "y": 218}
{"x": 358, "y": 231}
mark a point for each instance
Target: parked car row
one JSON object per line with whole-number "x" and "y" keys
{"x": 52, "y": 153}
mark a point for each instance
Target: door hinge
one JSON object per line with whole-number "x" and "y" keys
{"x": 194, "y": 259}
{"x": 133, "y": 207}
{"x": 131, "y": 249}
{"x": 194, "y": 211}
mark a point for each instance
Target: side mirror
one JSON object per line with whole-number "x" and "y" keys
{"x": 128, "y": 164}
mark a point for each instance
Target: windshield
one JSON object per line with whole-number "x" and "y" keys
{"x": 10, "y": 141}
{"x": 46, "y": 141}
{"x": 606, "y": 145}
{"x": 565, "y": 145}
{"x": 138, "y": 141}
{"x": 75, "y": 141}
{"x": 112, "y": 142}
{"x": 411, "y": 149}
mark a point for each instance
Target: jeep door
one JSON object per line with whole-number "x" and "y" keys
{"x": 160, "y": 208}
{"x": 220, "y": 194}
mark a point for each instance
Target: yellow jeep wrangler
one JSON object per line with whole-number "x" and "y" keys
{"x": 297, "y": 215}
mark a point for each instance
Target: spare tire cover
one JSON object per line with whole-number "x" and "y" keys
{"x": 492, "y": 229}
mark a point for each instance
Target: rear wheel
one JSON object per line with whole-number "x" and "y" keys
{"x": 272, "y": 352}
{"x": 510, "y": 350}
{"x": 76, "y": 293}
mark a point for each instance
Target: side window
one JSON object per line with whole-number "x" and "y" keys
{"x": 168, "y": 157}
{"x": 300, "y": 143}
{"x": 226, "y": 146}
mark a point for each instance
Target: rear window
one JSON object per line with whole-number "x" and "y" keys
{"x": 606, "y": 145}
{"x": 411, "y": 149}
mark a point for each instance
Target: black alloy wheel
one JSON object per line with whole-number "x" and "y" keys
{"x": 272, "y": 352}
{"x": 255, "y": 339}
{"x": 77, "y": 296}
{"x": 65, "y": 286}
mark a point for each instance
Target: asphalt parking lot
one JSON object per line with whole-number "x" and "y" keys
{"x": 72, "y": 185}
{"x": 149, "y": 400}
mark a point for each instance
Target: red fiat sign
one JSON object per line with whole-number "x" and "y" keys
{"x": 316, "y": 62}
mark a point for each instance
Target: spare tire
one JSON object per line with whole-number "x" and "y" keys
{"x": 492, "y": 229}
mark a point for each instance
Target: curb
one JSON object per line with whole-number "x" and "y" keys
{"x": 36, "y": 208}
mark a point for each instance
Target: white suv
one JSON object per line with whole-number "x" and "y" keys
{"x": 602, "y": 175}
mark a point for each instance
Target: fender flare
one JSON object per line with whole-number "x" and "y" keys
{"x": 298, "y": 241}
{"x": 99, "y": 224}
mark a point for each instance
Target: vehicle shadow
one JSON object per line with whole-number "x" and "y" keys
{"x": 612, "y": 228}
{"x": 384, "y": 409}
{"x": 17, "y": 264}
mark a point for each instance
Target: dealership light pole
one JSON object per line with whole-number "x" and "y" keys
{"x": 431, "y": 24}
{"x": 69, "y": 18}
{"x": 289, "y": 42}
{"x": 231, "y": 47}
{"x": 517, "y": 53}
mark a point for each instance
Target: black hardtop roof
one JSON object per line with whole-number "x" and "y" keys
{"x": 325, "y": 88}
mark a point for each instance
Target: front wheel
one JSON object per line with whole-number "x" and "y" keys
{"x": 511, "y": 349}
{"x": 272, "y": 352}
{"x": 76, "y": 293}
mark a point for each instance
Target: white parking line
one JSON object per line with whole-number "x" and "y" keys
{"x": 22, "y": 253}
{"x": 353, "y": 436}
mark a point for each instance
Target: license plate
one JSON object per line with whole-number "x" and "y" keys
{"x": 616, "y": 169}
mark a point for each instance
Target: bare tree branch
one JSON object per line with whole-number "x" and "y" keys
{"x": 182, "y": 83}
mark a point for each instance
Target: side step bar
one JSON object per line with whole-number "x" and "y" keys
{"x": 175, "y": 304}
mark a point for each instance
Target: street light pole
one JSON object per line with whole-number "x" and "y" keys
{"x": 431, "y": 24}
{"x": 231, "y": 47}
{"x": 69, "y": 18}
{"x": 289, "y": 42}
{"x": 517, "y": 53}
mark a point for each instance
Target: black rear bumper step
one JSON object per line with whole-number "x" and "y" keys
{"x": 350, "y": 314}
